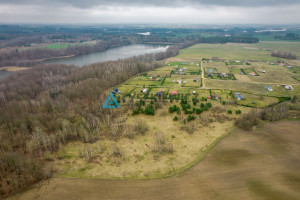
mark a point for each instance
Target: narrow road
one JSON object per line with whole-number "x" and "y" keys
{"x": 202, "y": 75}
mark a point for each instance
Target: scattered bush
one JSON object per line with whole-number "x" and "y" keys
{"x": 229, "y": 111}
{"x": 190, "y": 118}
{"x": 141, "y": 127}
{"x": 175, "y": 118}
{"x": 238, "y": 112}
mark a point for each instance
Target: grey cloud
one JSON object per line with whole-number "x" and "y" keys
{"x": 158, "y": 3}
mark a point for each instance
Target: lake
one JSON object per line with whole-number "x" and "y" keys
{"x": 114, "y": 53}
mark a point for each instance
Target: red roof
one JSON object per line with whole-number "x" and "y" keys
{"x": 174, "y": 92}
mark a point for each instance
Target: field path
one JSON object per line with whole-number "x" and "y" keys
{"x": 202, "y": 75}
{"x": 261, "y": 164}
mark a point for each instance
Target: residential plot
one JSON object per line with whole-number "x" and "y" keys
{"x": 257, "y": 100}
{"x": 144, "y": 80}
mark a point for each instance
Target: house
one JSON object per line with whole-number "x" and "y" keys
{"x": 262, "y": 71}
{"x": 197, "y": 65}
{"x": 252, "y": 74}
{"x": 115, "y": 91}
{"x": 216, "y": 97}
{"x": 173, "y": 92}
{"x": 152, "y": 78}
{"x": 269, "y": 88}
{"x": 194, "y": 92}
{"x": 179, "y": 81}
{"x": 159, "y": 94}
{"x": 223, "y": 74}
{"x": 288, "y": 87}
{"x": 183, "y": 63}
{"x": 210, "y": 70}
{"x": 209, "y": 75}
{"x": 209, "y": 97}
{"x": 239, "y": 96}
{"x": 196, "y": 80}
{"x": 144, "y": 90}
{"x": 183, "y": 82}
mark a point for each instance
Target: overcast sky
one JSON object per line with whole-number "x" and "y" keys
{"x": 150, "y": 11}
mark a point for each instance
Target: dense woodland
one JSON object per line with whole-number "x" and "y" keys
{"x": 46, "y": 106}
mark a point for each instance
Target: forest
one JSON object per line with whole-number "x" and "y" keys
{"x": 46, "y": 106}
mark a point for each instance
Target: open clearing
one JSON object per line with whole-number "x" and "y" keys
{"x": 261, "y": 164}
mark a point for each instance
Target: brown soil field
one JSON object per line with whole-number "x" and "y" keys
{"x": 261, "y": 164}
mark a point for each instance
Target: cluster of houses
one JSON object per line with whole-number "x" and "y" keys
{"x": 179, "y": 81}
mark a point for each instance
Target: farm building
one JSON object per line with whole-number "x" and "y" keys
{"x": 288, "y": 87}
{"x": 210, "y": 70}
{"x": 173, "y": 92}
{"x": 269, "y": 88}
{"x": 144, "y": 90}
{"x": 159, "y": 94}
{"x": 115, "y": 91}
{"x": 239, "y": 96}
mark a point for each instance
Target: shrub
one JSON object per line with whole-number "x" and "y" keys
{"x": 149, "y": 110}
{"x": 190, "y": 118}
{"x": 116, "y": 151}
{"x": 209, "y": 105}
{"x": 141, "y": 127}
{"x": 223, "y": 102}
{"x": 173, "y": 109}
{"x": 202, "y": 105}
{"x": 249, "y": 120}
{"x": 229, "y": 111}
{"x": 238, "y": 112}
{"x": 198, "y": 111}
{"x": 175, "y": 118}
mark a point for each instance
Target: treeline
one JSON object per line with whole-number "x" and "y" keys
{"x": 288, "y": 36}
{"x": 256, "y": 118}
{"x": 46, "y": 106}
{"x": 286, "y": 55}
{"x": 232, "y": 39}
{"x": 32, "y": 56}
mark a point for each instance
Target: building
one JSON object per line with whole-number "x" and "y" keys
{"x": 239, "y": 96}
{"x": 115, "y": 91}
{"x": 196, "y": 80}
{"x": 252, "y": 74}
{"x": 269, "y": 88}
{"x": 173, "y": 92}
{"x": 144, "y": 90}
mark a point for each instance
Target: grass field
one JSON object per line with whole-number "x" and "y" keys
{"x": 260, "y": 165}
{"x": 258, "y": 51}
